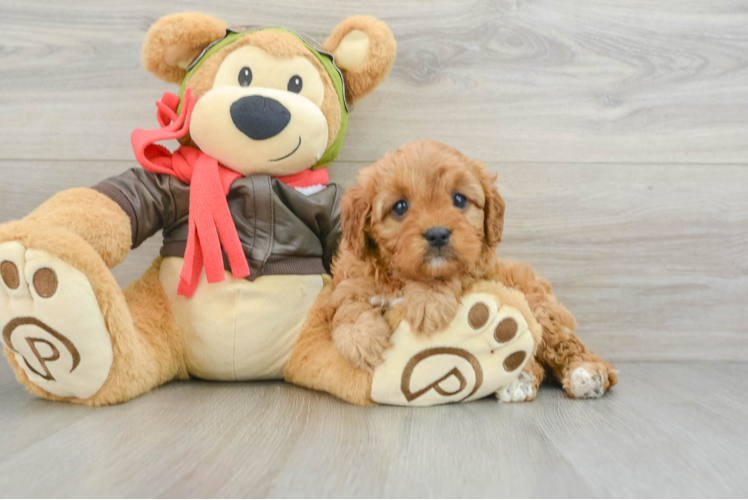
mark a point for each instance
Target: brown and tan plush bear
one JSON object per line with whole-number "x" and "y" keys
{"x": 250, "y": 226}
{"x": 249, "y": 220}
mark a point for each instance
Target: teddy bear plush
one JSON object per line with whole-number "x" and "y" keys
{"x": 250, "y": 225}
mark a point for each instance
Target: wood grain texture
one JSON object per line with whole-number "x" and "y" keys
{"x": 652, "y": 260}
{"x": 504, "y": 80}
{"x": 671, "y": 430}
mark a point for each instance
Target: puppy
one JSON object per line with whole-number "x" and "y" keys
{"x": 421, "y": 226}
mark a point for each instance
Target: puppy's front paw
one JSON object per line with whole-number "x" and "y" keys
{"x": 362, "y": 342}
{"x": 428, "y": 310}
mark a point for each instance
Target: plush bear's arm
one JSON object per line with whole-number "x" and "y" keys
{"x": 151, "y": 201}
{"x": 119, "y": 213}
{"x": 91, "y": 215}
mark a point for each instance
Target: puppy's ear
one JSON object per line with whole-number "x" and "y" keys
{"x": 493, "y": 218}
{"x": 364, "y": 50}
{"x": 355, "y": 213}
{"x": 174, "y": 41}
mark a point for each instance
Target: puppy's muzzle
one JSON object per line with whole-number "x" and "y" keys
{"x": 437, "y": 237}
{"x": 259, "y": 117}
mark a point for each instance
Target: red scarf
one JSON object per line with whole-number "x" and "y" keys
{"x": 210, "y": 221}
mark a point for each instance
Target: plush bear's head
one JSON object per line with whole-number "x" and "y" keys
{"x": 269, "y": 101}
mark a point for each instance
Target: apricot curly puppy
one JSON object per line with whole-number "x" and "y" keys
{"x": 421, "y": 226}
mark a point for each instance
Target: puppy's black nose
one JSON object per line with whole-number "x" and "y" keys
{"x": 437, "y": 236}
{"x": 259, "y": 117}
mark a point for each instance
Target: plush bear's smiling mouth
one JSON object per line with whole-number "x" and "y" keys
{"x": 289, "y": 154}
{"x": 259, "y": 130}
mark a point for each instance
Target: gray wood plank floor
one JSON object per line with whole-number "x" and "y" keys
{"x": 669, "y": 430}
{"x": 617, "y": 129}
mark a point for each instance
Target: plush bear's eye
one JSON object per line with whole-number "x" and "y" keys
{"x": 245, "y": 76}
{"x": 459, "y": 200}
{"x": 295, "y": 84}
{"x": 400, "y": 208}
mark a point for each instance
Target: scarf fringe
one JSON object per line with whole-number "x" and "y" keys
{"x": 211, "y": 225}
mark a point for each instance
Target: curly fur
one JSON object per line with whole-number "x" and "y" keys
{"x": 385, "y": 256}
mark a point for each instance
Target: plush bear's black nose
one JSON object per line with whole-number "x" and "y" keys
{"x": 259, "y": 117}
{"x": 437, "y": 236}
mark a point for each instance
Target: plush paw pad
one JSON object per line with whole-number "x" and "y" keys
{"x": 51, "y": 322}
{"x": 483, "y": 349}
{"x": 521, "y": 389}
{"x": 586, "y": 384}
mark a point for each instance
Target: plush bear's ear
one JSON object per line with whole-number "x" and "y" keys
{"x": 364, "y": 50}
{"x": 174, "y": 41}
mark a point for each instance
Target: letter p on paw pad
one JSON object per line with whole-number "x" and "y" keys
{"x": 51, "y": 323}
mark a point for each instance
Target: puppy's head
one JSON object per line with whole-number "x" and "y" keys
{"x": 425, "y": 211}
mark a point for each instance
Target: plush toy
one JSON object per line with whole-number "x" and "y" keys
{"x": 250, "y": 225}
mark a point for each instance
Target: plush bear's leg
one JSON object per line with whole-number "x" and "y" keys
{"x": 69, "y": 332}
{"x": 156, "y": 330}
{"x": 582, "y": 373}
{"x": 485, "y": 346}
{"x": 316, "y": 363}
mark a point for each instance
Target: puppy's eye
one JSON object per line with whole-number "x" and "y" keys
{"x": 400, "y": 208}
{"x": 459, "y": 200}
{"x": 245, "y": 76}
{"x": 295, "y": 84}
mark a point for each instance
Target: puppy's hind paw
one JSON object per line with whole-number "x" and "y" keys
{"x": 523, "y": 388}
{"x": 588, "y": 381}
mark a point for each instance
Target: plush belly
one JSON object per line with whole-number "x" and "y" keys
{"x": 239, "y": 329}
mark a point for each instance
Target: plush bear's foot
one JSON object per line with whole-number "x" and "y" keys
{"x": 51, "y": 323}
{"x": 483, "y": 349}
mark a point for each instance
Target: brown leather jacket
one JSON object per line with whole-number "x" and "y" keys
{"x": 281, "y": 230}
